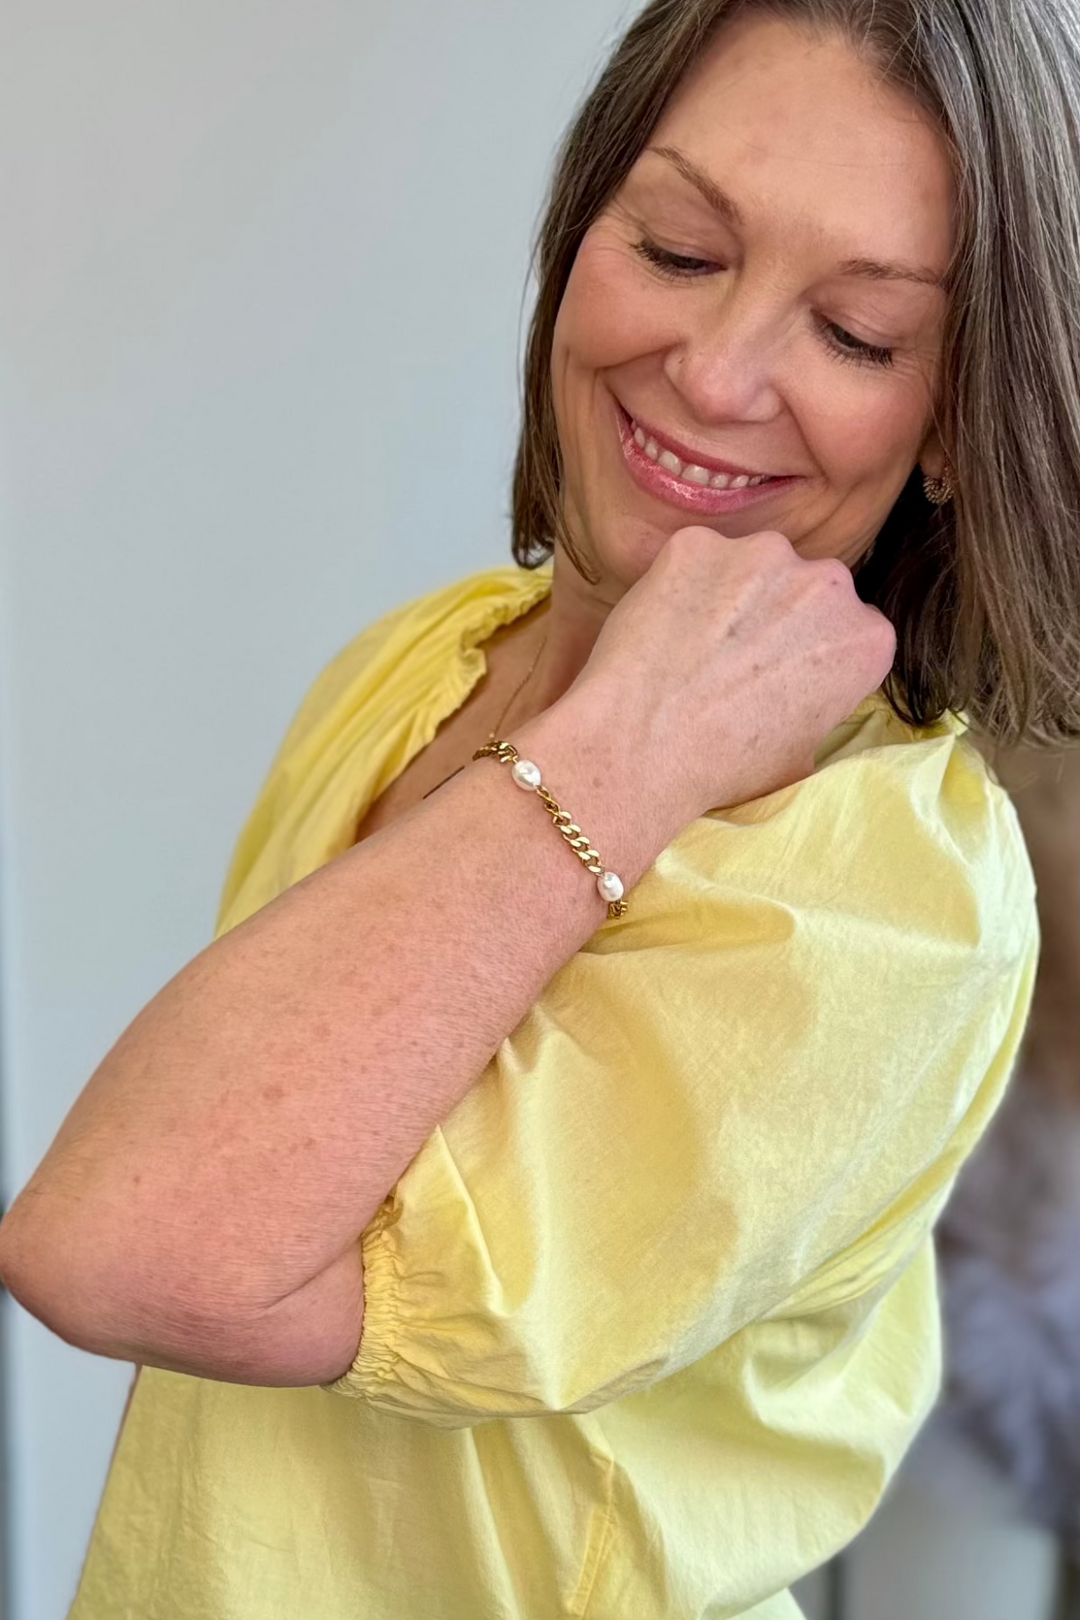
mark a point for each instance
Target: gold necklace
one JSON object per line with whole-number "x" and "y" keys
{"x": 520, "y": 687}
{"x": 494, "y": 737}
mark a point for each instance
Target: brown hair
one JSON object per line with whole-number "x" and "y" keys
{"x": 984, "y": 593}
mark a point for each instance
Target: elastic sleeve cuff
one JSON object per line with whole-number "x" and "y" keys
{"x": 373, "y": 1367}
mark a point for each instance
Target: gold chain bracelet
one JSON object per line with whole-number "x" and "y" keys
{"x": 527, "y": 776}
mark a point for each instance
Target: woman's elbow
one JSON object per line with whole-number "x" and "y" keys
{"x": 131, "y": 1306}
{"x": 44, "y": 1267}
{"x": 34, "y": 1266}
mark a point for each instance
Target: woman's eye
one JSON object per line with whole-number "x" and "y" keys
{"x": 682, "y": 267}
{"x": 848, "y": 347}
{"x": 673, "y": 264}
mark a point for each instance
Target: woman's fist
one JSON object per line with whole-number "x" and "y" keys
{"x": 730, "y": 661}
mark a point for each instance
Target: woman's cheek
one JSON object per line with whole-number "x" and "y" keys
{"x": 854, "y": 438}
{"x": 611, "y": 318}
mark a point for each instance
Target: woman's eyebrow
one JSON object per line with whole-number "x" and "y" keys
{"x": 716, "y": 197}
{"x": 719, "y": 201}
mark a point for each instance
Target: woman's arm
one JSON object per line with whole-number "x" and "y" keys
{"x": 200, "y": 1206}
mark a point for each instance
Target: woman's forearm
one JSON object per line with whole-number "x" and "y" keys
{"x": 214, "y": 1175}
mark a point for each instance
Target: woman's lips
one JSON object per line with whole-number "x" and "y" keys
{"x": 701, "y": 499}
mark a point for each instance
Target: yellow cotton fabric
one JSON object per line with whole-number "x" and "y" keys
{"x": 651, "y": 1318}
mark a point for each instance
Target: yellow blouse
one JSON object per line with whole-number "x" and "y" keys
{"x": 651, "y": 1318}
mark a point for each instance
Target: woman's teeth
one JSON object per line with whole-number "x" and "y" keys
{"x": 689, "y": 472}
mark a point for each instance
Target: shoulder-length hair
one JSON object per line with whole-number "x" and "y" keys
{"x": 984, "y": 592}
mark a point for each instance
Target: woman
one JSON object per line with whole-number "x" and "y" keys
{"x": 617, "y": 1233}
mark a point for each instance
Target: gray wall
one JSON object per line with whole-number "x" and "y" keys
{"x": 261, "y": 270}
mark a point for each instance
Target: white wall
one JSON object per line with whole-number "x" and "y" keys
{"x": 261, "y": 268}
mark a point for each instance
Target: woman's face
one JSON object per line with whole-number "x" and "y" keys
{"x": 758, "y": 299}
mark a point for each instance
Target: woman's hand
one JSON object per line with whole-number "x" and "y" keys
{"x": 727, "y": 665}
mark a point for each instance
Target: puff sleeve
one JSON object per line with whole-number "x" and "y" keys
{"x": 754, "y": 1089}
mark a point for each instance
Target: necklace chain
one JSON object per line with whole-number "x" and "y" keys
{"x": 498, "y": 725}
{"x": 517, "y": 689}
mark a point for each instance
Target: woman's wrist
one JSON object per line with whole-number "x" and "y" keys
{"x": 589, "y": 763}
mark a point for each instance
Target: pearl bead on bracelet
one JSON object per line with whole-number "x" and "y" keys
{"x": 609, "y": 884}
{"x": 526, "y": 774}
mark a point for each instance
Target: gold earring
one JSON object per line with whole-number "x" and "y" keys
{"x": 939, "y": 491}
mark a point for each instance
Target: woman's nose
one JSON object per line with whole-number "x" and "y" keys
{"x": 727, "y": 367}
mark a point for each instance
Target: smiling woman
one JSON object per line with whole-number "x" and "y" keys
{"x": 614, "y": 1225}
{"x": 733, "y": 301}
{"x": 793, "y": 265}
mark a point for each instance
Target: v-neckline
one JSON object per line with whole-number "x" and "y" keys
{"x": 469, "y": 666}
{"x": 470, "y": 657}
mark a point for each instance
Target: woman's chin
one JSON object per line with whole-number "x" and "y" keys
{"x": 628, "y": 554}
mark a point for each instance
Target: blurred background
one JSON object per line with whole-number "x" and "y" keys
{"x": 263, "y": 283}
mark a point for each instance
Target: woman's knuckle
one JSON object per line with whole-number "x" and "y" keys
{"x": 834, "y": 573}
